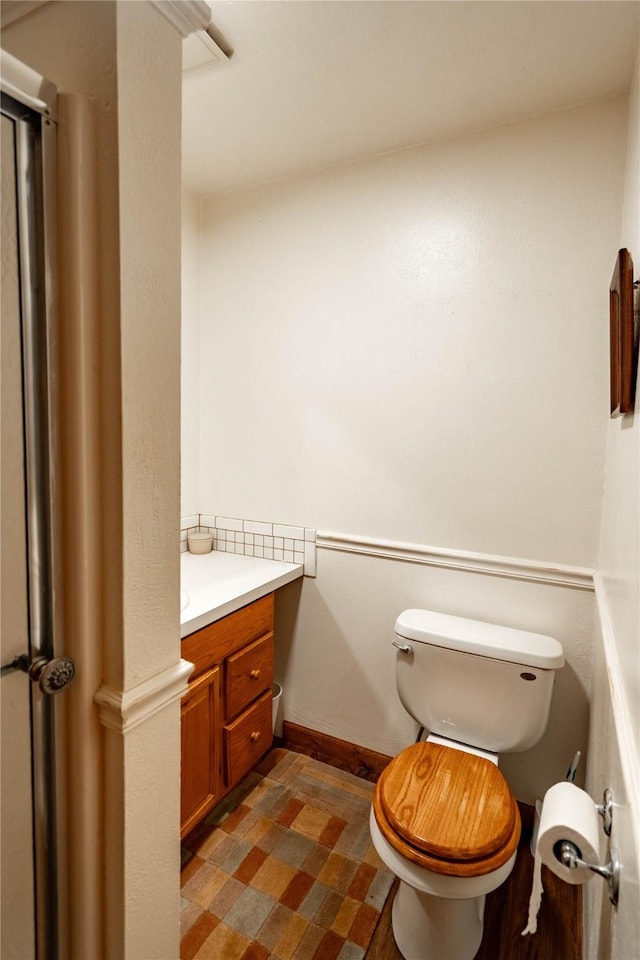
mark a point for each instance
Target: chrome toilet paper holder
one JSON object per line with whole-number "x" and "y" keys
{"x": 605, "y": 809}
{"x": 569, "y": 855}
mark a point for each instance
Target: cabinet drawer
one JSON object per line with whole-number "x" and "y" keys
{"x": 248, "y": 673}
{"x": 247, "y": 739}
{"x": 216, "y": 641}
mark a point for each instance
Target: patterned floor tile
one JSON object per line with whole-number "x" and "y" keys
{"x": 249, "y": 912}
{"x": 223, "y": 944}
{"x": 196, "y": 936}
{"x": 273, "y": 877}
{"x": 284, "y": 868}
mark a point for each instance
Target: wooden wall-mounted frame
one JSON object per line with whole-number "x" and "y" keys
{"x": 621, "y": 334}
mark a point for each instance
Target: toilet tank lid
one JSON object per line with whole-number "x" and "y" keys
{"x": 481, "y": 639}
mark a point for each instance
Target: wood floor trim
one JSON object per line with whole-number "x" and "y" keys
{"x": 360, "y": 761}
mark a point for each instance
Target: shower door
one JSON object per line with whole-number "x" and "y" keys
{"x": 29, "y": 593}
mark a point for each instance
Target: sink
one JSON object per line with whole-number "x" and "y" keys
{"x": 184, "y": 600}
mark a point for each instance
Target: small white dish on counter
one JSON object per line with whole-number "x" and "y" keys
{"x": 199, "y": 543}
{"x": 219, "y": 583}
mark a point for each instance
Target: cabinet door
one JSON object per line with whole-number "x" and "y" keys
{"x": 200, "y": 731}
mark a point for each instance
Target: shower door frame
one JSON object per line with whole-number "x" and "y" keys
{"x": 30, "y": 100}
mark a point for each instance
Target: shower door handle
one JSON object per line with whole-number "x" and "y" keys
{"x": 18, "y": 663}
{"x": 52, "y": 676}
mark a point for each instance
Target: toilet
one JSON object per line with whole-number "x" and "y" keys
{"x": 443, "y": 817}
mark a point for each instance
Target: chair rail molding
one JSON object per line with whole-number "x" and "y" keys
{"x": 187, "y": 16}
{"x": 122, "y": 710}
{"x": 514, "y": 568}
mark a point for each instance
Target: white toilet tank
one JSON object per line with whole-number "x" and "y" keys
{"x": 476, "y": 683}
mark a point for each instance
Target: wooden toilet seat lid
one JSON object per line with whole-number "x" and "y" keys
{"x": 449, "y": 805}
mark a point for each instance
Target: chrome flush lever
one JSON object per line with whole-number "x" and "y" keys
{"x": 403, "y": 647}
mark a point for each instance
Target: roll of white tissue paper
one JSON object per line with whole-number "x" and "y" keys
{"x": 568, "y": 813}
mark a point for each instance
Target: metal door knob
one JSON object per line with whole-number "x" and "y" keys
{"x": 52, "y": 676}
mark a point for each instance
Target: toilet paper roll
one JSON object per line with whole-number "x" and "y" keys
{"x": 568, "y": 813}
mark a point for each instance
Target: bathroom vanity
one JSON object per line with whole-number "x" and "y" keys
{"x": 226, "y": 712}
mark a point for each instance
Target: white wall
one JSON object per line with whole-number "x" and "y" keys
{"x": 337, "y": 666}
{"x": 414, "y": 348}
{"x": 190, "y": 352}
{"x": 411, "y": 347}
{"x": 615, "y": 722}
{"x": 619, "y": 561}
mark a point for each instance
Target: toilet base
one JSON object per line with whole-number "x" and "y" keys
{"x": 434, "y": 928}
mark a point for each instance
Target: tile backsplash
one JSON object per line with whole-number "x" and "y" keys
{"x": 255, "y": 538}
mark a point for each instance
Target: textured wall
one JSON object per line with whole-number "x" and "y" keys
{"x": 414, "y": 348}
{"x": 615, "y": 719}
{"x": 415, "y": 344}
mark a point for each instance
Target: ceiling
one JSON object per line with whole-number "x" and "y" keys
{"x": 313, "y": 83}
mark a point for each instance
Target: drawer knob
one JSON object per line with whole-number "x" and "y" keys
{"x": 255, "y": 674}
{"x": 255, "y": 735}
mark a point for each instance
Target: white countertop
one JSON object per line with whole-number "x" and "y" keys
{"x": 219, "y": 583}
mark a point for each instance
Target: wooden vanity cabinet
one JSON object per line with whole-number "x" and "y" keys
{"x": 226, "y": 711}
{"x": 200, "y": 775}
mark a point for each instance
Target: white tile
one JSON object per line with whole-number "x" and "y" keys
{"x": 278, "y": 543}
{"x": 183, "y": 547}
{"x": 248, "y": 538}
{"x": 256, "y": 526}
{"x": 288, "y": 544}
{"x": 277, "y": 554}
{"x": 298, "y": 556}
{"x": 239, "y": 538}
{"x": 207, "y": 520}
{"x": 268, "y": 542}
{"x": 189, "y": 522}
{"x": 229, "y": 536}
{"x": 228, "y": 523}
{"x": 310, "y": 559}
{"x": 284, "y": 530}
{"x": 287, "y": 556}
{"x": 183, "y": 536}
{"x": 258, "y": 551}
{"x": 239, "y": 548}
{"x": 249, "y": 550}
{"x": 310, "y": 534}
{"x": 268, "y": 553}
{"x": 258, "y": 539}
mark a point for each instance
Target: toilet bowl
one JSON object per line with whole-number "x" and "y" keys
{"x": 443, "y": 817}
{"x": 446, "y": 823}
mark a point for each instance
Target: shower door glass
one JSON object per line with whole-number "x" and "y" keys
{"x": 30, "y": 593}
{"x": 16, "y": 838}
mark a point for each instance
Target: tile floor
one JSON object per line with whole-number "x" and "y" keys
{"x": 284, "y": 868}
